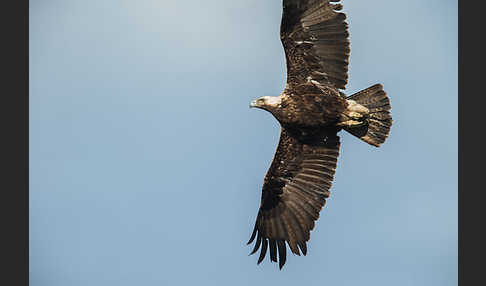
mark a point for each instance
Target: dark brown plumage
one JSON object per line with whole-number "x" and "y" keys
{"x": 311, "y": 111}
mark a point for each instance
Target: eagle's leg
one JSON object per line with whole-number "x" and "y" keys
{"x": 351, "y": 119}
{"x": 354, "y": 116}
{"x": 351, "y": 123}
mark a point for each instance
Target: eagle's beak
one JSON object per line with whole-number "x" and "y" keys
{"x": 253, "y": 103}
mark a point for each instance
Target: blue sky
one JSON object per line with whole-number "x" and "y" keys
{"x": 146, "y": 163}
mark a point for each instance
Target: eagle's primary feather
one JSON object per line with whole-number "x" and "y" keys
{"x": 294, "y": 191}
{"x": 311, "y": 111}
{"x": 315, "y": 39}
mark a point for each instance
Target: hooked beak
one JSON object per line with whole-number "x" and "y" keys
{"x": 253, "y": 103}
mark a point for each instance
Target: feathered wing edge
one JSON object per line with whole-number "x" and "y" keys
{"x": 288, "y": 213}
{"x": 315, "y": 37}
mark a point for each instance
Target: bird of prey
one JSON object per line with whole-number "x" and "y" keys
{"x": 311, "y": 110}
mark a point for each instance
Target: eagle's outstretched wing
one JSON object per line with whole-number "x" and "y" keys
{"x": 315, "y": 39}
{"x": 294, "y": 191}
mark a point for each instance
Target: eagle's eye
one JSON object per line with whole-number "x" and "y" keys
{"x": 260, "y": 101}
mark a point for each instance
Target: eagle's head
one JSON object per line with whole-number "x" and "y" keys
{"x": 268, "y": 103}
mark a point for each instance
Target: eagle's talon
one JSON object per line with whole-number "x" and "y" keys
{"x": 355, "y": 115}
{"x": 351, "y": 123}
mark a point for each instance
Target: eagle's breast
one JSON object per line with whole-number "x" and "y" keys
{"x": 310, "y": 108}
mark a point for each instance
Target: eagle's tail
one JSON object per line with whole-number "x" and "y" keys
{"x": 378, "y": 121}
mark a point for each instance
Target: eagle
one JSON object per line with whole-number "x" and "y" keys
{"x": 311, "y": 111}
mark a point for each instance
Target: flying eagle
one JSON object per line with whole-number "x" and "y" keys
{"x": 311, "y": 111}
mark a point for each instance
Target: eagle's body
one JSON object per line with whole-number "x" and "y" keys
{"x": 311, "y": 111}
{"x": 308, "y": 105}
